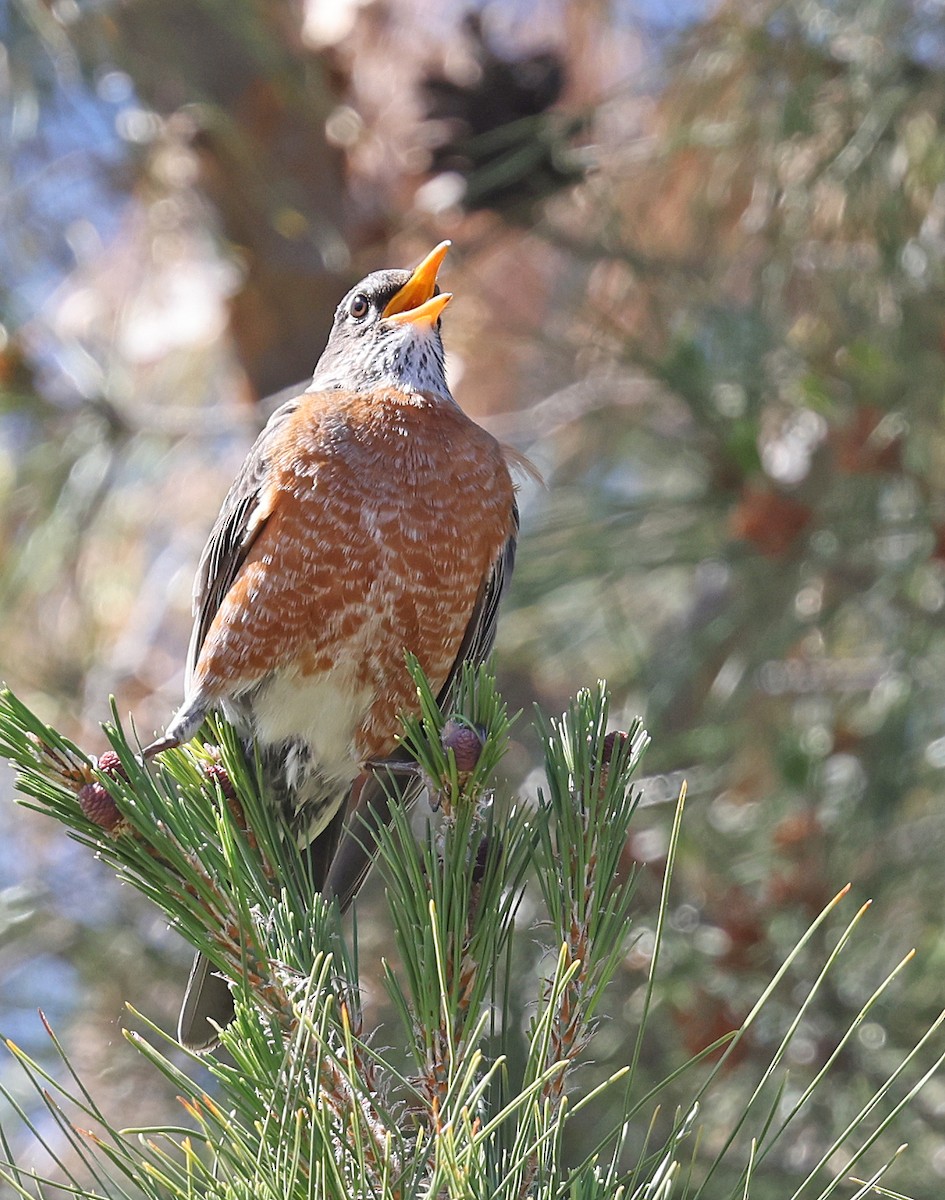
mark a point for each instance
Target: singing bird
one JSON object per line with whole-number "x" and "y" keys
{"x": 372, "y": 517}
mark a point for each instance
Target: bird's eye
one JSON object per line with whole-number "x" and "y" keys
{"x": 359, "y": 307}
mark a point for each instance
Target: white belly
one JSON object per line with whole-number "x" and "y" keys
{"x": 321, "y": 711}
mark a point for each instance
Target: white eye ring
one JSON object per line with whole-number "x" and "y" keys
{"x": 359, "y": 306}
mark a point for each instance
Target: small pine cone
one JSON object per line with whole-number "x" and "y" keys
{"x": 612, "y": 745}
{"x": 216, "y": 773}
{"x": 98, "y": 806}
{"x": 110, "y": 764}
{"x": 464, "y": 741}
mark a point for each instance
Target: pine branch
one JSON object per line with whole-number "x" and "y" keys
{"x": 303, "y": 1103}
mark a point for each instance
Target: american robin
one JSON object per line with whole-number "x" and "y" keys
{"x": 371, "y": 517}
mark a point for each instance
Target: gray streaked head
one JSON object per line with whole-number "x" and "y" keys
{"x": 386, "y": 333}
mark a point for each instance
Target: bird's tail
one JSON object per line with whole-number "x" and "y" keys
{"x": 206, "y": 1008}
{"x": 370, "y": 810}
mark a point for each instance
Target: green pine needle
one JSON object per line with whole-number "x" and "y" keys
{"x": 481, "y": 1100}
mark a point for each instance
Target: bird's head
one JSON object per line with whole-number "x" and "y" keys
{"x": 386, "y": 333}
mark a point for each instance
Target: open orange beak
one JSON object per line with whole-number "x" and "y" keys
{"x": 415, "y": 302}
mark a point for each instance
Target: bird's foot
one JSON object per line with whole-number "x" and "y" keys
{"x": 393, "y": 766}
{"x": 159, "y": 746}
{"x": 181, "y": 729}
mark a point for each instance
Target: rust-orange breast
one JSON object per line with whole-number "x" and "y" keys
{"x": 383, "y": 515}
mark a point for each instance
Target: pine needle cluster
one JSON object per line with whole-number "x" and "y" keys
{"x": 305, "y": 1101}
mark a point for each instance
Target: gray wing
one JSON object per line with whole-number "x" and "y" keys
{"x": 352, "y": 861}
{"x": 233, "y": 533}
{"x": 479, "y": 637}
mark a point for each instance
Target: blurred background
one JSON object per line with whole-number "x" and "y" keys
{"x": 699, "y": 273}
